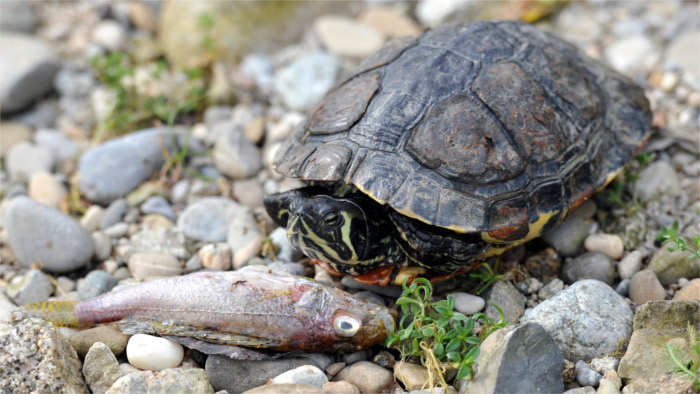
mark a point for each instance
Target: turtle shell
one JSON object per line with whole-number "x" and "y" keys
{"x": 492, "y": 127}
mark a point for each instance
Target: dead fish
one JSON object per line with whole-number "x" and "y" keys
{"x": 240, "y": 308}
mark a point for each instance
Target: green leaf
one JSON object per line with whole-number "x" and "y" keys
{"x": 428, "y": 332}
{"x": 454, "y": 356}
{"x": 439, "y": 350}
{"x": 453, "y": 345}
{"x": 464, "y": 371}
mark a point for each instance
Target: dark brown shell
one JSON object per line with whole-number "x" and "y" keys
{"x": 488, "y": 127}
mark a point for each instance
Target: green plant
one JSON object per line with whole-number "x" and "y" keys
{"x": 616, "y": 196}
{"x": 487, "y": 277}
{"x": 687, "y": 363}
{"x": 442, "y": 338}
{"x": 670, "y": 235}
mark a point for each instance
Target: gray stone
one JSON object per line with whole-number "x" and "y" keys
{"x": 630, "y": 264}
{"x": 354, "y": 357}
{"x": 291, "y": 268}
{"x": 467, "y": 304}
{"x": 655, "y": 324}
{"x": 116, "y": 167}
{"x": 303, "y": 83}
{"x": 31, "y": 287}
{"x": 29, "y": 66}
{"x": 645, "y": 286}
{"x": 550, "y": 289}
{"x": 669, "y": 266}
{"x": 25, "y": 159}
{"x": 175, "y": 380}
{"x": 604, "y": 364}
{"x": 109, "y": 34}
{"x": 260, "y": 69}
{"x": 117, "y": 230}
{"x": 103, "y": 245}
{"x": 590, "y": 265}
{"x": 96, "y": 282}
{"x": 387, "y": 291}
{"x": 586, "y": 320}
{"x": 234, "y": 154}
{"x": 92, "y": 217}
{"x": 6, "y": 307}
{"x": 366, "y": 376}
{"x": 287, "y": 251}
{"x": 171, "y": 241}
{"x": 12, "y": 132}
{"x": 159, "y": 205}
{"x": 61, "y": 146}
{"x": 17, "y": 16}
{"x": 623, "y": 288}
{"x": 306, "y": 374}
{"x": 370, "y": 297}
{"x": 236, "y": 376}
{"x": 244, "y": 238}
{"x": 108, "y": 335}
{"x": 145, "y": 265}
{"x": 37, "y": 358}
{"x": 586, "y": 376}
{"x": 632, "y": 54}
{"x": 567, "y": 238}
{"x": 508, "y": 298}
{"x": 38, "y": 233}
{"x": 209, "y": 218}
{"x": 216, "y": 114}
{"x": 114, "y": 213}
{"x": 682, "y": 53}
{"x": 101, "y": 368}
{"x": 521, "y": 359}
{"x": 657, "y": 179}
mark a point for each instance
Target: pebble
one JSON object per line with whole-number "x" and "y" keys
{"x": 92, "y": 217}
{"x": 176, "y": 380}
{"x": 117, "y": 230}
{"x": 550, "y": 289}
{"x": 344, "y": 36}
{"x": 215, "y": 256}
{"x": 61, "y": 146}
{"x": 248, "y": 192}
{"x": 110, "y": 35}
{"x": 689, "y": 292}
{"x": 657, "y": 179}
{"x": 114, "y": 213}
{"x": 25, "y": 159}
{"x": 623, "y": 288}
{"x": 604, "y": 364}
{"x": 586, "y": 376}
{"x": 96, "y": 282}
{"x": 46, "y": 189}
{"x": 287, "y": 251}
{"x": 29, "y": 66}
{"x": 671, "y": 266}
{"x": 354, "y": 357}
{"x": 158, "y": 205}
{"x": 303, "y": 83}
{"x": 590, "y": 265}
{"x": 682, "y": 53}
{"x": 387, "y": 291}
{"x": 370, "y": 297}
{"x": 431, "y": 13}
{"x": 17, "y": 16}
{"x": 13, "y": 133}
{"x": 34, "y": 286}
{"x": 260, "y": 69}
{"x": 209, "y": 218}
{"x": 340, "y": 388}
{"x": 244, "y": 238}
{"x": 468, "y": 304}
{"x": 40, "y": 233}
{"x": 413, "y": 376}
{"x": 109, "y": 335}
{"x": 171, "y": 241}
{"x": 609, "y": 244}
{"x": 103, "y": 245}
{"x": 367, "y": 377}
{"x": 290, "y": 268}
{"x": 567, "y": 238}
{"x": 145, "y": 265}
{"x": 586, "y": 320}
{"x": 153, "y": 353}
{"x": 530, "y": 285}
{"x": 508, "y": 298}
{"x": 234, "y": 154}
{"x": 632, "y": 54}
{"x": 134, "y": 158}
{"x": 390, "y": 22}
{"x": 306, "y": 374}
{"x": 645, "y": 286}
{"x": 6, "y": 307}
{"x": 100, "y": 368}
{"x": 630, "y": 265}
{"x": 41, "y": 358}
{"x": 506, "y": 362}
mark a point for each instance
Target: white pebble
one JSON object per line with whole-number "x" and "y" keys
{"x": 630, "y": 265}
{"x": 216, "y": 256}
{"x": 153, "y": 353}
{"x": 609, "y": 244}
{"x": 468, "y": 304}
{"x": 306, "y": 374}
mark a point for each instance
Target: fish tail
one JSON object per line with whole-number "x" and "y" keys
{"x": 59, "y": 313}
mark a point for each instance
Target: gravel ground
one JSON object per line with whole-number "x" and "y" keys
{"x": 85, "y": 210}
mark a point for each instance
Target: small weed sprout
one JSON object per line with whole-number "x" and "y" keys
{"x": 487, "y": 277}
{"x": 442, "y": 338}
{"x": 670, "y": 235}
{"x": 687, "y": 364}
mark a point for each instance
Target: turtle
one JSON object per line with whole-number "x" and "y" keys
{"x": 440, "y": 151}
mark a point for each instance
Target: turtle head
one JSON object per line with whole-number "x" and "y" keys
{"x": 335, "y": 230}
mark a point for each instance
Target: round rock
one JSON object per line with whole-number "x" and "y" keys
{"x": 657, "y": 179}
{"x": 31, "y": 287}
{"x": 591, "y": 265}
{"x": 144, "y": 265}
{"x": 468, "y": 304}
{"x": 306, "y": 374}
{"x": 630, "y": 265}
{"x": 366, "y": 376}
{"x": 153, "y": 353}
{"x": 209, "y": 218}
{"x": 234, "y": 154}
{"x": 304, "y": 82}
{"x": 567, "y": 237}
{"x": 46, "y": 189}
{"x": 96, "y": 282}
{"x": 159, "y": 205}
{"x": 40, "y": 233}
{"x": 25, "y": 159}
{"x": 610, "y": 245}
{"x": 345, "y": 37}
{"x": 645, "y": 286}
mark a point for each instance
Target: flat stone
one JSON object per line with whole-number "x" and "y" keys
{"x": 390, "y": 22}
{"x": 689, "y": 292}
{"x": 61, "y": 146}
{"x": 171, "y": 241}
{"x": 145, "y": 265}
{"x": 38, "y": 233}
{"x": 568, "y": 237}
{"x": 209, "y": 218}
{"x": 630, "y": 265}
{"x": 657, "y": 179}
{"x": 413, "y": 376}
{"x": 25, "y": 159}
{"x": 590, "y": 265}
{"x": 663, "y": 383}
{"x": 306, "y": 374}
{"x": 234, "y": 154}
{"x": 345, "y": 37}
{"x": 248, "y": 192}
{"x": 586, "y": 320}
{"x": 97, "y": 282}
{"x": 655, "y": 324}
{"x": 29, "y": 66}
{"x": 303, "y": 83}
{"x": 286, "y": 388}
{"x": 158, "y": 205}
{"x": 367, "y": 377}
{"x": 177, "y": 380}
{"x": 508, "y": 298}
{"x": 101, "y": 368}
{"x": 645, "y": 286}
{"x": 521, "y": 358}
{"x": 12, "y": 133}
{"x": 608, "y": 244}
{"x": 108, "y": 335}
{"x": 46, "y": 189}
{"x": 114, "y": 213}
{"x": 550, "y": 289}
{"x": 34, "y": 286}
{"x": 669, "y": 266}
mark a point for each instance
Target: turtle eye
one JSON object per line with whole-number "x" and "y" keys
{"x": 346, "y": 326}
{"x": 331, "y": 219}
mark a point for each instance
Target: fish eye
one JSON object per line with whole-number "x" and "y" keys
{"x": 346, "y": 326}
{"x": 331, "y": 219}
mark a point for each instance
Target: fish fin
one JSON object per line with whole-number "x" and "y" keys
{"x": 233, "y": 352}
{"x": 137, "y": 326}
{"x": 59, "y": 313}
